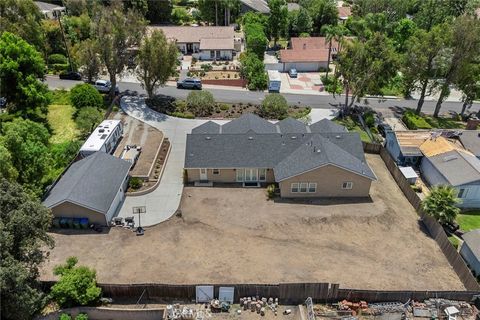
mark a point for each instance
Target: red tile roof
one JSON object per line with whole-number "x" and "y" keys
{"x": 344, "y": 12}
{"x": 312, "y": 43}
{"x": 301, "y": 55}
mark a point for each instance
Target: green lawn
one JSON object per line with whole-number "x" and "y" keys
{"x": 353, "y": 126}
{"x": 454, "y": 241}
{"x": 61, "y": 121}
{"x": 60, "y": 97}
{"x": 469, "y": 220}
{"x": 445, "y": 123}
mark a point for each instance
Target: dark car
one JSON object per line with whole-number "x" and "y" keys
{"x": 70, "y": 75}
{"x": 3, "y": 102}
{"x": 189, "y": 83}
{"x": 383, "y": 127}
{"x": 293, "y": 73}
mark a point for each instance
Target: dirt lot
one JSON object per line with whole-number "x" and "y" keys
{"x": 232, "y": 235}
{"x": 138, "y": 133}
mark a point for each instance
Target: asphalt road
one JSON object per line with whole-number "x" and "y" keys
{"x": 385, "y": 106}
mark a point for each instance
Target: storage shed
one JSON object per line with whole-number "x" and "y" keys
{"x": 409, "y": 174}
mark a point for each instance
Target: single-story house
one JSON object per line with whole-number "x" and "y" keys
{"x": 457, "y": 168}
{"x": 49, "y": 11}
{"x": 404, "y": 146}
{"x": 470, "y": 140}
{"x": 344, "y": 13}
{"x": 203, "y": 42}
{"x": 307, "y": 54}
{"x": 320, "y": 160}
{"x": 91, "y": 188}
{"x": 470, "y": 250}
{"x": 260, "y": 6}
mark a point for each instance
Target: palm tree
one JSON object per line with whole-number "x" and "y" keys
{"x": 332, "y": 33}
{"x": 441, "y": 203}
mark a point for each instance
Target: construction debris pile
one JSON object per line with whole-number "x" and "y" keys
{"x": 431, "y": 308}
{"x": 255, "y": 304}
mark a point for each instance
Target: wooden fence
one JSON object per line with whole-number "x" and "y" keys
{"x": 434, "y": 228}
{"x": 287, "y": 293}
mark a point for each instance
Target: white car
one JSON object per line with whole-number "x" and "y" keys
{"x": 103, "y": 86}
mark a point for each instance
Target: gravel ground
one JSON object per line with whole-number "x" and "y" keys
{"x": 234, "y": 235}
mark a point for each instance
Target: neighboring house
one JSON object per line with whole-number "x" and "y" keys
{"x": 470, "y": 250}
{"x": 404, "y": 146}
{"x": 49, "y": 11}
{"x": 204, "y": 42}
{"x": 91, "y": 188}
{"x": 308, "y": 54}
{"x": 321, "y": 160}
{"x": 260, "y": 6}
{"x": 344, "y": 13}
{"x": 470, "y": 140}
{"x": 457, "y": 168}
{"x": 104, "y": 138}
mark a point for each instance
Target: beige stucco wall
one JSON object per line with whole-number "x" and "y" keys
{"x": 329, "y": 181}
{"x": 71, "y": 210}
{"x": 224, "y": 175}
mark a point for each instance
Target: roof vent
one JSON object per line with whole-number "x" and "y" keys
{"x": 294, "y": 137}
{"x": 250, "y": 138}
{"x": 316, "y": 150}
{"x": 208, "y": 138}
{"x": 450, "y": 158}
{"x": 101, "y": 130}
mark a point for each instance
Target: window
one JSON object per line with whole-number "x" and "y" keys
{"x": 294, "y": 187}
{"x": 303, "y": 186}
{"x": 216, "y": 171}
{"x": 312, "y": 187}
{"x": 239, "y": 175}
{"x": 347, "y": 185}
{"x": 262, "y": 174}
{"x": 462, "y": 193}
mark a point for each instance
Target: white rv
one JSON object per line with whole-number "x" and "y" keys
{"x": 274, "y": 81}
{"x": 104, "y": 138}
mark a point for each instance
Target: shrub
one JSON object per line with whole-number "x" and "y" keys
{"x": 87, "y": 119}
{"x": 76, "y": 286}
{"x": 185, "y": 115}
{"x": 414, "y": 121}
{"x": 206, "y": 67}
{"x": 274, "y": 106}
{"x": 59, "y": 67}
{"x": 57, "y": 58}
{"x": 85, "y": 95}
{"x": 161, "y": 103}
{"x": 224, "y": 107}
{"x": 180, "y": 105}
{"x": 332, "y": 84}
{"x": 65, "y": 316}
{"x": 417, "y": 188}
{"x": 271, "y": 191}
{"x": 135, "y": 183}
{"x": 369, "y": 119}
{"x": 200, "y": 103}
{"x": 81, "y": 316}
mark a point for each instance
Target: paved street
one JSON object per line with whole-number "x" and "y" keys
{"x": 162, "y": 203}
{"x": 228, "y": 95}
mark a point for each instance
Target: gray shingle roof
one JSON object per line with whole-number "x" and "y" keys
{"x": 471, "y": 141}
{"x": 326, "y": 125}
{"x": 472, "y": 239}
{"x": 249, "y": 122}
{"x": 457, "y": 167}
{"x": 290, "y": 125}
{"x": 250, "y": 141}
{"x": 45, "y": 6}
{"x": 257, "y": 5}
{"x": 92, "y": 182}
{"x": 207, "y": 127}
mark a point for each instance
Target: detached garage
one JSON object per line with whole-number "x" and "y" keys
{"x": 91, "y": 188}
{"x": 304, "y": 60}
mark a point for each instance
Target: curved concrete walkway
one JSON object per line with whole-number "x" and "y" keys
{"x": 162, "y": 203}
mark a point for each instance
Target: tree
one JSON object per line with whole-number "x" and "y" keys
{"x": 77, "y": 28}
{"x": 402, "y": 31}
{"x": 441, "y": 204}
{"x": 141, "y": 6}
{"x": 277, "y": 20}
{"x": 332, "y": 33}
{"x": 468, "y": 80}
{"x": 274, "y": 106}
{"x": 256, "y": 39}
{"x": 22, "y": 18}
{"x": 87, "y": 119}
{"x": 200, "y": 103}
{"x": 23, "y": 241}
{"x": 422, "y": 62}
{"x": 53, "y": 37}
{"x": 7, "y": 170}
{"x": 323, "y": 12}
{"x": 156, "y": 61}
{"x": 88, "y": 58}
{"x": 85, "y": 95}
{"x": 76, "y": 286}
{"x": 27, "y": 143}
{"x": 159, "y": 11}
{"x": 117, "y": 32}
{"x": 219, "y": 12}
{"x": 299, "y": 22}
{"x": 465, "y": 47}
{"x": 180, "y": 16}
{"x": 394, "y": 10}
{"x": 253, "y": 70}
{"x": 20, "y": 66}
{"x": 366, "y": 67}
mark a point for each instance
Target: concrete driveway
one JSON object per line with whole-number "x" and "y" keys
{"x": 162, "y": 203}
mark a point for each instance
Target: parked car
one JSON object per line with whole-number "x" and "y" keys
{"x": 3, "y": 102}
{"x": 293, "y": 73}
{"x": 70, "y": 75}
{"x": 383, "y": 127}
{"x": 103, "y": 86}
{"x": 189, "y": 83}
